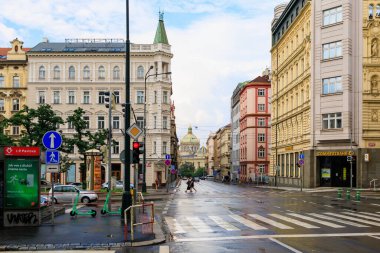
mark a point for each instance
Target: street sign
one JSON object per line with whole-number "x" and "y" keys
{"x": 167, "y": 162}
{"x": 21, "y": 151}
{"x": 301, "y": 162}
{"x": 366, "y": 157}
{"x": 349, "y": 158}
{"x": 52, "y": 140}
{"x": 167, "y": 157}
{"x": 52, "y": 157}
{"x": 134, "y": 131}
{"x": 302, "y": 156}
{"x": 54, "y": 168}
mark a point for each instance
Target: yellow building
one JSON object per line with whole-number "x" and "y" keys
{"x": 291, "y": 76}
{"x": 191, "y": 152}
{"x": 13, "y": 79}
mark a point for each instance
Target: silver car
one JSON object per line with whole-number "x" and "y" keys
{"x": 67, "y": 193}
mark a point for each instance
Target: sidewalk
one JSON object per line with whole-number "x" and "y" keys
{"x": 103, "y": 232}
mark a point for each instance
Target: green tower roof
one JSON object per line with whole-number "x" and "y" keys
{"x": 160, "y": 32}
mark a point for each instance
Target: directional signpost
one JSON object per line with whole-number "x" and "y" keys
{"x": 167, "y": 163}
{"x": 301, "y": 162}
{"x": 52, "y": 140}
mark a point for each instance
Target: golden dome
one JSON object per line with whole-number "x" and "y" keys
{"x": 189, "y": 138}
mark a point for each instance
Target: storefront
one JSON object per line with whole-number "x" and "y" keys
{"x": 334, "y": 168}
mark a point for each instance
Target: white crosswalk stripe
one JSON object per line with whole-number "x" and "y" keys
{"x": 269, "y": 221}
{"x": 355, "y": 219}
{"x": 199, "y": 225}
{"x": 294, "y": 221}
{"x": 177, "y": 228}
{"x": 325, "y": 217}
{"x": 247, "y": 223}
{"x": 224, "y": 224}
{"x": 373, "y": 214}
{"x": 326, "y": 223}
{"x": 362, "y": 216}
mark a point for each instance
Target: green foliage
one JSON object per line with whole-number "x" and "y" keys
{"x": 199, "y": 172}
{"x": 66, "y": 162}
{"x": 186, "y": 170}
{"x": 5, "y": 140}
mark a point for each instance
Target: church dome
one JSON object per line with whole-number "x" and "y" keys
{"x": 189, "y": 138}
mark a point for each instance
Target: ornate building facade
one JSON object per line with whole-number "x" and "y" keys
{"x": 191, "y": 152}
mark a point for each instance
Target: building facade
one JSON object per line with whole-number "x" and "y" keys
{"x": 210, "y": 157}
{"x": 13, "y": 80}
{"x": 254, "y": 129}
{"x": 222, "y": 153}
{"x": 191, "y": 152}
{"x": 77, "y": 72}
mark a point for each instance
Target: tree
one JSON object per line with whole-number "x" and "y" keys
{"x": 186, "y": 170}
{"x": 5, "y": 140}
{"x": 199, "y": 172}
{"x": 35, "y": 123}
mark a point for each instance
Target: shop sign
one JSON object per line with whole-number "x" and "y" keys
{"x": 290, "y": 148}
{"x": 21, "y": 184}
{"x": 326, "y": 172}
{"x": 344, "y": 174}
{"x": 21, "y": 151}
{"x": 335, "y": 153}
{"x": 371, "y": 144}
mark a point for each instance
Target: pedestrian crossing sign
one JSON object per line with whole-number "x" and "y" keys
{"x": 52, "y": 157}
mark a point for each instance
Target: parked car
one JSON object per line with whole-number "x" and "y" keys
{"x": 118, "y": 185}
{"x": 202, "y": 177}
{"x": 77, "y": 184}
{"x": 209, "y": 177}
{"x": 196, "y": 179}
{"x": 67, "y": 193}
{"x": 45, "y": 184}
{"x": 44, "y": 201}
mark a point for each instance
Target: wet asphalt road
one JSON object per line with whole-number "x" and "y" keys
{"x": 230, "y": 218}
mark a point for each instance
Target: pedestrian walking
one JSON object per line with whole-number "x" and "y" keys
{"x": 192, "y": 185}
{"x": 188, "y": 185}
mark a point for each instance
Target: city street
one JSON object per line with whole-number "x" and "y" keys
{"x": 233, "y": 218}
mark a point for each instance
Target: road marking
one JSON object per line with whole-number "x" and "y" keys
{"x": 373, "y": 214}
{"x": 199, "y": 225}
{"x": 70, "y": 209}
{"x": 362, "y": 216}
{"x": 222, "y": 223}
{"x": 164, "y": 249}
{"x": 375, "y": 205}
{"x": 376, "y": 237}
{"x": 285, "y": 245}
{"x": 299, "y": 223}
{"x": 269, "y": 221}
{"x": 321, "y": 216}
{"x": 277, "y": 207}
{"x": 249, "y": 237}
{"x": 328, "y": 206}
{"x": 355, "y": 219}
{"x": 247, "y": 223}
{"x": 326, "y": 223}
{"x": 175, "y": 225}
{"x": 164, "y": 212}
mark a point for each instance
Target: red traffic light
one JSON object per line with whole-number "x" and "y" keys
{"x": 136, "y": 145}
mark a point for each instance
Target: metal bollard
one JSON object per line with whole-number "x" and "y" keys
{"x": 348, "y": 194}
{"x": 339, "y": 193}
{"x": 357, "y": 195}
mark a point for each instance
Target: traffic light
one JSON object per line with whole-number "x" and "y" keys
{"x": 136, "y": 152}
{"x": 109, "y": 99}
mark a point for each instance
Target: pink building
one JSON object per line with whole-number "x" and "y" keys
{"x": 254, "y": 128}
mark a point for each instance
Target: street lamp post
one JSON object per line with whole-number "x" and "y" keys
{"x": 144, "y": 137}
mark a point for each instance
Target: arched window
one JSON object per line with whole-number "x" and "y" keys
{"x": 71, "y": 72}
{"x": 86, "y": 72}
{"x": 57, "y": 72}
{"x": 140, "y": 72}
{"x": 102, "y": 72}
{"x": 370, "y": 10}
{"x": 116, "y": 73}
{"x": 41, "y": 73}
{"x": 378, "y": 10}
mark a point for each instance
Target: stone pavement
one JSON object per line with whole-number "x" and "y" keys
{"x": 103, "y": 232}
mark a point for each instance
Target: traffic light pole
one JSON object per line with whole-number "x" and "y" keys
{"x": 109, "y": 146}
{"x": 127, "y": 198}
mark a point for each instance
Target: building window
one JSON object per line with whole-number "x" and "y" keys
{"x": 116, "y": 73}
{"x": 101, "y": 122}
{"x": 71, "y": 72}
{"x": 116, "y": 148}
{"x": 155, "y": 97}
{"x": 140, "y": 122}
{"x": 41, "y": 97}
{"x": 378, "y": 10}
{"x": 261, "y": 107}
{"x": 261, "y": 152}
{"x": 164, "y": 148}
{"x": 154, "y": 122}
{"x": 86, "y": 72}
{"x": 15, "y": 104}
{"x": 116, "y": 94}
{"x": 261, "y": 92}
{"x": 86, "y": 119}
{"x": 101, "y": 97}
{"x": 86, "y": 97}
{"x": 261, "y": 121}
{"x": 116, "y": 122}
{"x": 140, "y": 97}
{"x": 165, "y": 122}
{"x": 57, "y": 72}
{"x": 261, "y": 168}
{"x": 2, "y": 103}
{"x": 101, "y": 72}
{"x": 1, "y": 81}
{"x": 261, "y": 137}
{"x": 71, "y": 97}
{"x": 16, "y": 82}
{"x": 15, "y": 130}
{"x": 41, "y": 72}
{"x": 332, "y": 120}
{"x": 165, "y": 97}
{"x": 332, "y": 50}
{"x": 370, "y": 11}
{"x": 70, "y": 125}
{"x": 154, "y": 147}
{"x": 140, "y": 72}
{"x": 332, "y": 85}
{"x": 332, "y": 16}
{"x": 56, "y": 97}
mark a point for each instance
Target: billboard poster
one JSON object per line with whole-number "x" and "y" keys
{"x": 21, "y": 184}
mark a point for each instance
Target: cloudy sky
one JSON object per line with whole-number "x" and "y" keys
{"x": 216, "y": 43}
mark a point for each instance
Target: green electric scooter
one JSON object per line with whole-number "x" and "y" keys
{"x": 105, "y": 209}
{"x": 75, "y": 210}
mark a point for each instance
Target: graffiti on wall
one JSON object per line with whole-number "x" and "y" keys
{"x": 21, "y": 218}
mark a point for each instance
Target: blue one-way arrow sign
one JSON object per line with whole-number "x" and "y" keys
{"x": 52, "y": 140}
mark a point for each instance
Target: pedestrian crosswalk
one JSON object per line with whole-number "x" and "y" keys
{"x": 271, "y": 221}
